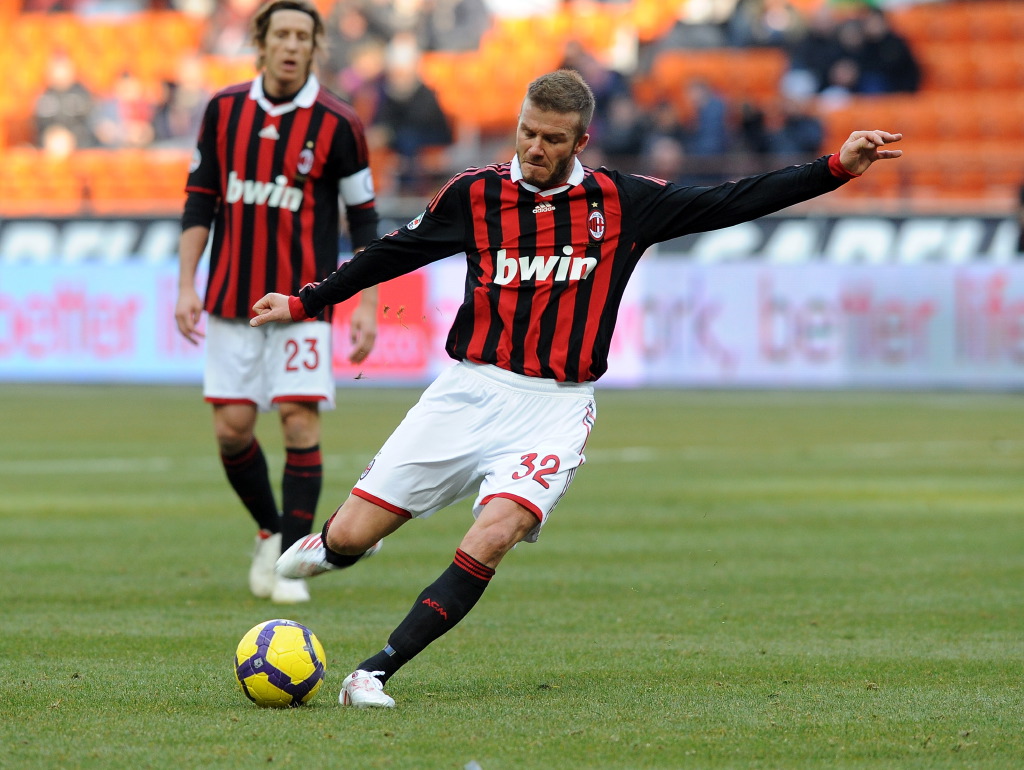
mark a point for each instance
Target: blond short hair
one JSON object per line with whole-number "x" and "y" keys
{"x": 564, "y": 91}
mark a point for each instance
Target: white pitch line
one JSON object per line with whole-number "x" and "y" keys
{"x": 633, "y": 454}
{"x": 98, "y": 465}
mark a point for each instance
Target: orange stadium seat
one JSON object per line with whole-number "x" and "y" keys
{"x": 916, "y": 23}
{"x": 964, "y": 130}
{"x": 945, "y": 67}
{"x": 994, "y": 21}
{"x": 997, "y": 65}
{"x": 1002, "y": 115}
{"x": 223, "y": 71}
{"x": 38, "y": 183}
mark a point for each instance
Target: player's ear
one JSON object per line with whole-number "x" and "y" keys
{"x": 581, "y": 144}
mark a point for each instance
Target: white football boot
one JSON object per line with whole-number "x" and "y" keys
{"x": 308, "y": 557}
{"x": 363, "y": 689}
{"x": 264, "y": 555}
{"x": 289, "y": 591}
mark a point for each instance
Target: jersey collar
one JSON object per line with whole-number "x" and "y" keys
{"x": 304, "y": 98}
{"x": 574, "y": 178}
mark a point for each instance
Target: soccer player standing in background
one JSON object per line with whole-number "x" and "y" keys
{"x": 550, "y": 246}
{"x": 272, "y": 159}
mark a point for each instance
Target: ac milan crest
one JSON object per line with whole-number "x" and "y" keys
{"x": 595, "y": 225}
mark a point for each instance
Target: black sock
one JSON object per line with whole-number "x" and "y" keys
{"x": 442, "y": 604}
{"x": 300, "y": 492}
{"x": 247, "y": 473}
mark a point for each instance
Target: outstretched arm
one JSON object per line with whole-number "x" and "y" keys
{"x": 864, "y": 147}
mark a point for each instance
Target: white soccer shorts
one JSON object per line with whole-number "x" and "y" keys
{"x": 271, "y": 363}
{"x": 482, "y": 429}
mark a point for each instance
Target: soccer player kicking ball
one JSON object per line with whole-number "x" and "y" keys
{"x": 550, "y": 245}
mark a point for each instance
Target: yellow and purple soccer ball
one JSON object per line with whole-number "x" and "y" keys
{"x": 280, "y": 664}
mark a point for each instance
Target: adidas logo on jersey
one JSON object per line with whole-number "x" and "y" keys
{"x": 269, "y": 132}
{"x": 274, "y": 194}
{"x": 540, "y": 208}
{"x": 540, "y": 268}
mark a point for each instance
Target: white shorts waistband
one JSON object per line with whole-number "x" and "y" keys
{"x": 529, "y": 384}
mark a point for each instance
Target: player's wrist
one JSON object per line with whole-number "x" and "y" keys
{"x": 296, "y": 309}
{"x": 839, "y": 171}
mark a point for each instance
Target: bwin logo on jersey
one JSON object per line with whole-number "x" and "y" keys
{"x": 554, "y": 268}
{"x": 275, "y": 194}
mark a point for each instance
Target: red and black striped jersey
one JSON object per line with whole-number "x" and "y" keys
{"x": 547, "y": 270}
{"x": 277, "y": 171}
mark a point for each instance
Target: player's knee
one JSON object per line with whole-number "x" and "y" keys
{"x": 488, "y": 541}
{"x": 231, "y": 440}
{"x": 349, "y": 534}
{"x": 300, "y": 424}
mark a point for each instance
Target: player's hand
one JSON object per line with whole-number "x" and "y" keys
{"x": 863, "y": 148}
{"x": 362, "y": 331}
{"x": 187, "y": 312}
{"x": 272, "y": 307}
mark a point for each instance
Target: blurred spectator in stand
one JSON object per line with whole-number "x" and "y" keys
{"x": 604, "y": 81}
{"x": 887, "y": 63}
{"x": 817, "y": 49}
{"x": 452, "y": 25}
{"x": 625, "y": 132}
{"x": 764, "y": 23}
{"x": 841, "y": 83}
{"x": 706, "y": 133}
{"x": 752, "y": 136}
{"x": 362, "y": 81}
{"x": 348, "y": 29}
{"x": 126, "y": 118}
{"x": 64, "y": 102}
{"x": 58, "y": 142}
{"x": 409, "y": 117}
{"x": 227, "y": 30}
{"x": 665, "y": 158}
{"x": 801, "y": 132}
{"x": 521, "y": 8}
{"x": 180, "y": 113}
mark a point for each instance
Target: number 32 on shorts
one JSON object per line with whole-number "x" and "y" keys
{"x": 537, "y": 470}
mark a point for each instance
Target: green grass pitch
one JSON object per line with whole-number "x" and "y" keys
{"x": 736, "y": 580}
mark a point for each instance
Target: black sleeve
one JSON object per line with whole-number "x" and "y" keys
{"x": 670, "y": 211}
{"x": 204, "y": 173}
{"x": 362, "y": 224}
{"x": 200, "y": 208}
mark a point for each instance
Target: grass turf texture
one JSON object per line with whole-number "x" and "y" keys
{"x": 736, "y": 580}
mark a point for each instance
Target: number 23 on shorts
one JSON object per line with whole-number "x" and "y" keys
{"x": 302, "y": 354}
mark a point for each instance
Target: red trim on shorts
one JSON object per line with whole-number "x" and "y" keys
{"x": 382, "y": 503}
{"x": 516, "y": 499}
{"x": 293, "y": 399}
{"x": 222, "y": 401}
